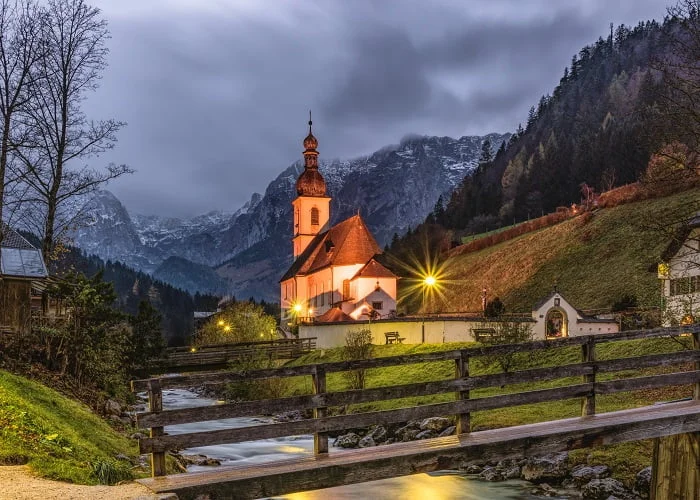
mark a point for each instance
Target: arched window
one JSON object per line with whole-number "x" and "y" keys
{"x": 314, "y": 216}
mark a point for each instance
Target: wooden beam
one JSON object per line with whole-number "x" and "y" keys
{"x": 204, "y": 378}
{"x": 342, "y": 422}
{"x": 155, "y": 405}
{"x": 651, "y": 382}
{"x": 588, "y": 403}
{"x": 368, "y": 464}
{"x": 463, "y": 420}
{"x": 304, "y": 402}
{"x": 320, "y": 438}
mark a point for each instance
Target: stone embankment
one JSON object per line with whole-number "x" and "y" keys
{"x": 551, "y": 475}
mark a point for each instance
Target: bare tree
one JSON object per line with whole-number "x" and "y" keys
{"x": 20, "y": 49}
{"x": 62, "y": 139}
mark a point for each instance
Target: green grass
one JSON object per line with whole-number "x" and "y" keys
{"x": 593, "y": 262}
{"x": 59, "y": 438}
{"x": 624, "y": 463}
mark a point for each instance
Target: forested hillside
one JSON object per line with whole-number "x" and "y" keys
{"x": 599, "y": 126}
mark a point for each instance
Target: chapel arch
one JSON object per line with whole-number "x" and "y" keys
{"x": 556, "y": 323}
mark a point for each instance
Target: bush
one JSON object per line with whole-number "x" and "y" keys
{"x": 358, "y": 345}
{"x": 267, "y": 388}
{"x": 625, "y": 302}
{"x": 507, "y": 332}
{"x": 494, "y": 308}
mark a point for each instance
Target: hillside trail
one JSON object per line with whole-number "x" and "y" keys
{"x": 18, "y": 483}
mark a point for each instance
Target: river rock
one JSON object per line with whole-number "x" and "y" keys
{"x": 409, "y": 434}
{"x": 544, "y": 490}
{"x": 137, "y": 435}
{"x": 437, "y": 424}
{"x": 366, "y": 442}
{"x": 473, "y": 469}
{"x": 549, "y": 468}
{"x": 379, "y": 434}
{"x": 642, "y": 482}
{"x": 491, "y": 474}
{"x": 448, "y": 432}
{"x": 426, "y": 434}
{"x": 602, "y": 489}
{"x": 582, "y": 474}
{"x": 112, "y": 408}
{"x": 349, "y": 440}
{"x": 289, "y": 416}
{"x": 512, "y": 472}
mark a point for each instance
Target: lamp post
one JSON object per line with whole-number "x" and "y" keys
{"x": 428, "y": 283}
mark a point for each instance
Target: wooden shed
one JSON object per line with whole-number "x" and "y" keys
{"x": 22, "y": 268}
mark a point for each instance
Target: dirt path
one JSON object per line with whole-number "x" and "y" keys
{"x": 18, "y": 483}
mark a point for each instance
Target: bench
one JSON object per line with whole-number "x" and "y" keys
{"x": 393, "y": 338}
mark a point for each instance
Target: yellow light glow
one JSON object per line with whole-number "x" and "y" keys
{"x": 297, "y": 308}
{"x": 311, "y": 311}
{"x": 430, "y": 280}
{"x": 194, "y": 349}
{"x": 221, "y": 322}
{"x": 227, "y": 328}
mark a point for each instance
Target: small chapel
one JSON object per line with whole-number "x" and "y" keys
{"x": 335, "y": 276}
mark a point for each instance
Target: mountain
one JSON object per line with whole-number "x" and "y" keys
{"x": 394, "y": 189}
{"x": 190, "y": 276}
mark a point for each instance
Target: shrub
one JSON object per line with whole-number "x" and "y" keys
{"x": 625, "y": 302}
{"x": 358, "y": 345}
{"x": 507, "y": 332}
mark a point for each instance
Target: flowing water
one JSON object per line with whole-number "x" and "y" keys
{"x": 444, "y": 485}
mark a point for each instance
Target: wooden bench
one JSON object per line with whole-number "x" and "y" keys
{"x": 393, "y": 338}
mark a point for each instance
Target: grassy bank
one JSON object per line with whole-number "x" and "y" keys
{"x": 625, "y": 459}
{"x": 58, "y": 437}
{"x": 594, "y": 259}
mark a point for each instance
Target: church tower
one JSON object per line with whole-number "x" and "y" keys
{"x": 311, "y": 208}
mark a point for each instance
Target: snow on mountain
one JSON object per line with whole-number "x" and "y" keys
{"x": 394, "y": 188}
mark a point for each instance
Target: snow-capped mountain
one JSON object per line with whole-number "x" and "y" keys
{"x": 394, "y": 189}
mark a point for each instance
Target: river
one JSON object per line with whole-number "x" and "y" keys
{"x": 444, "y": 485}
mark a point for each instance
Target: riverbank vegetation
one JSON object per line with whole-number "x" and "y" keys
{"x": 59, "y": 438}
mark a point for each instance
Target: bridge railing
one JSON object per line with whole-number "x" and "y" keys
{"x": 461, "y": 385}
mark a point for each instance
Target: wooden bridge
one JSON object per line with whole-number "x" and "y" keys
{"x": 218, "y": 356}
{"x": 325, "y": 469}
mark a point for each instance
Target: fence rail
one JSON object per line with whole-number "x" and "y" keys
{"x": 213, "y": 356}
{"x": 587, "y": 390}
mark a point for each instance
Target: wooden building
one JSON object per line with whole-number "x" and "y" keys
{"x": 22, "y": 270}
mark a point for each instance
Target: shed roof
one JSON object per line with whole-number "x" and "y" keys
{"x": 19, "y": 258}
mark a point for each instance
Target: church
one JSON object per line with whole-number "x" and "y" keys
{"x": 335, "y": 276}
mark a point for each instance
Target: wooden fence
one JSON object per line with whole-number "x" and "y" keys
{"x": 321, "y": 424}
{"x": 213, "y": 356}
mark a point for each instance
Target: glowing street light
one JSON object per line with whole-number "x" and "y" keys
{"x": 297, "y": 308}
{"x": 430, "y": 281}
{"x": 227, "y": 328}
{"x": 221, "y": 322}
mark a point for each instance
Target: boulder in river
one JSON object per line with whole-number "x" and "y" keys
{"x": 548, "y": 468}
{"x": 366, "y": 442}
{"x": 602, "y": 489}
{"x": 437, "y": 424}
{"x": 642, "y": 482}
{"x": 582, "y": 474}
{"x": 349, "y": 440}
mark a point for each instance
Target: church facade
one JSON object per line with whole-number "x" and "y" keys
{"x": 335, "y": 276}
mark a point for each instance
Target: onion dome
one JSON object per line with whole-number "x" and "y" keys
{"x": 311, "y": 182}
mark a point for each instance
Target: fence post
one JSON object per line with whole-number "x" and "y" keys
{"x": 320, "y": 438}
{"x": 155, "y": 405}
{"x": 588, "y": 354}
{"x": 463, "y": 420}
{"x": 696, "y": 346}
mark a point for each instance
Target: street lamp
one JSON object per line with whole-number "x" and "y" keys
{"x": 428, "y": 283}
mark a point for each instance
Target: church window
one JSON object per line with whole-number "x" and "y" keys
{"x": 346, "y": 289}
{"x": 377, "y": 306}
{"x": 323, "y": 293}
{"x": 314, "y": 216}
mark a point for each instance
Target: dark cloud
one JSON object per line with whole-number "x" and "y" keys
{"x": 216, "y": 93}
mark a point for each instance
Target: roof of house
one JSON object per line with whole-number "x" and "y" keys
{"x": 347, "y": 243}
{"x": 333, "y": 315}
{"x": 19, "y": 258}
{"x": 374, "y": 269}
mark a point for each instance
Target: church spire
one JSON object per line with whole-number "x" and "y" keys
{"x": 311, "y": 182}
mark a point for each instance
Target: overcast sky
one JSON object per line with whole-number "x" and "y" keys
{"x": 216, "y": 93}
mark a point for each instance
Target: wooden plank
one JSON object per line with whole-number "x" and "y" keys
{"x": 368, "y": 464}
{"x": 463, "y": 420}
{"x": 651, "y": 382}
{"x": 342, "y": 422}
{"x": 588, "y": 403}
{"x": 696, "y": 347}
{"x": 320, "y": 438}
{"x": 195, "y": 380}
{"x": 676, "y": 467}
{"x": 270, "y": 407}
{"x": 155, "y": 404}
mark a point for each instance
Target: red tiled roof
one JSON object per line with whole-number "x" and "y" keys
{"x": 333, "y": 315}
{"x": 374, "y": 269}
{"x": 348, "y": 242}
